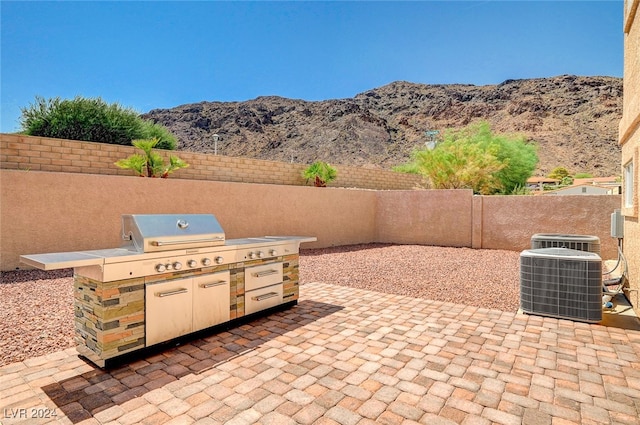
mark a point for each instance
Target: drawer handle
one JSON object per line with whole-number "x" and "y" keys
{"x": 265, "y": 273}
{"x": 174, "y": 292}
{"x": 265, "y": 296}
{"x": 212, "y": 284}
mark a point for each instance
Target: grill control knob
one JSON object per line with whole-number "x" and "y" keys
{"x": 206, "y": 262}
{"x": 160, "y": 268}
{"x": 177, "y": 265}
{"x": 192, "y": 263}
{"x": 252, "y": 255}
{"x": 273, "y": 252}
{"x": 219, "y": 260}
{"x": 260, "y": 254}
{"x": 168, "y": 266}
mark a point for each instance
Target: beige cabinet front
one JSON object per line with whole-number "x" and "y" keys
{"x": 211, "y": 295}
{"x": 263, "y": 287}
{"x": 263, "y": 298}
{"x": 261, "y": 276}
{"x": 168, "y": 310}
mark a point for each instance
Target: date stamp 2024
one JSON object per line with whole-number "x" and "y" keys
{"x": 30, "y": 413}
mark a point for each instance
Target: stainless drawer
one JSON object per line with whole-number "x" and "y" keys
{"x": 262, "y": 298}
{"x": 261, "y": 276}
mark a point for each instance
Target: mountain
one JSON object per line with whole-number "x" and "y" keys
{"x": 574, "y": 120}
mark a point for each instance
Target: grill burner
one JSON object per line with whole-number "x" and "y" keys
{"x": 174, "y": 275}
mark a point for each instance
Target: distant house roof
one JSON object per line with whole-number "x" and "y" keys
{"x": 581, "y": 189}
{"x": 536, "y": 180}
{"x": 603, "y": 181}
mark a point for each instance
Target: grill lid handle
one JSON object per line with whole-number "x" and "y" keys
{"x": 183, "y": 241}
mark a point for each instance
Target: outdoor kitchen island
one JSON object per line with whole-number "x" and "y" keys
{"x": 176, "y": 277}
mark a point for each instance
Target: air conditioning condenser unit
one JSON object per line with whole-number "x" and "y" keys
{"x": 562, "y": 283}
{"x": 558, "y": 240}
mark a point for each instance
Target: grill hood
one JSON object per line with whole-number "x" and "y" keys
{"x": 164, "y": 232}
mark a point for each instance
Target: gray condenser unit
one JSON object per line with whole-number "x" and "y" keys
{"x": 562, "y": 283}
{"x": 558, "y": 240}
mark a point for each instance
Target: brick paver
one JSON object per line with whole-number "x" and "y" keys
{"x": 348, "y": 356}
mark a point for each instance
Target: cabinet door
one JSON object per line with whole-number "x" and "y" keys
{"x": 168, "y": 310}
{"x": 211, "y": 300}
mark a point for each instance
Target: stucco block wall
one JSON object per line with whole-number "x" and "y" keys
{"x": 632, "y": 254}
{"x": 19, "y": 152}
{"x": 53, "y": 212}
{"x": 630, "y": 142}
{"x": 631, "y": 80}
{"x": 430, "y": 217}
{"x": 508, "y": 222}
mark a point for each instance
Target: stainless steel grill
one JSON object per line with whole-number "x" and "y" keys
{"x": 193, "y": 279}
{"x": 163, "y": 232}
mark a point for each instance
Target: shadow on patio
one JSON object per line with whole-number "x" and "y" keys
{"x": 80, "y": 397}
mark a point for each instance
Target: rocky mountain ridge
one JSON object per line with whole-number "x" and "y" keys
{"x": 574, "y": 121}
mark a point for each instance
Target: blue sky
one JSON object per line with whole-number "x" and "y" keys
{"x": 160, "y": 54}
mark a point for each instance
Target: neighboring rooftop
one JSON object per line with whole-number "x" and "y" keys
{"x": 583, "y": 186}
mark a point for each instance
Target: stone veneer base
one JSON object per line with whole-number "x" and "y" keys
{"x": 110, "y": 316}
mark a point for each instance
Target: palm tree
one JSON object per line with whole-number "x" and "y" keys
{"x": 321, "y": 173}
{"x": 151, "y": 163}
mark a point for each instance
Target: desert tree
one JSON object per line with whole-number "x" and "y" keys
{"x": 475, "y": 158}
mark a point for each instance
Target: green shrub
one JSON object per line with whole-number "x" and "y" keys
{"x": 90, "y": 120}
{"x": 559, "y": 173}
{"x": 583, "y": 176}
{"x": 409, "y": 168}
{"x": 520, "y": 190}
{"x": 152, "y": 130}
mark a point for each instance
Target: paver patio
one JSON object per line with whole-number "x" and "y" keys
{"x": 350, "y": 356}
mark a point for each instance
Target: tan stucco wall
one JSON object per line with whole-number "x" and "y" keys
{"x": 508, "y": 222}
{"x": 631, "y": 80}
{"x": 431, "y": 217}
{"x": 53, "y": 212}
{"x": 632, "y": 254}
{"x": 630, "y": 142}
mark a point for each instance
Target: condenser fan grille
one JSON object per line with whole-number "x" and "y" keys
{"x": 562, "y": 283}
{"x": 558, "y": 240}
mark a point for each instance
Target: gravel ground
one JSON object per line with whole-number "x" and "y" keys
{"x": 36, "y": 314}
{"x": 475, "y": 277}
